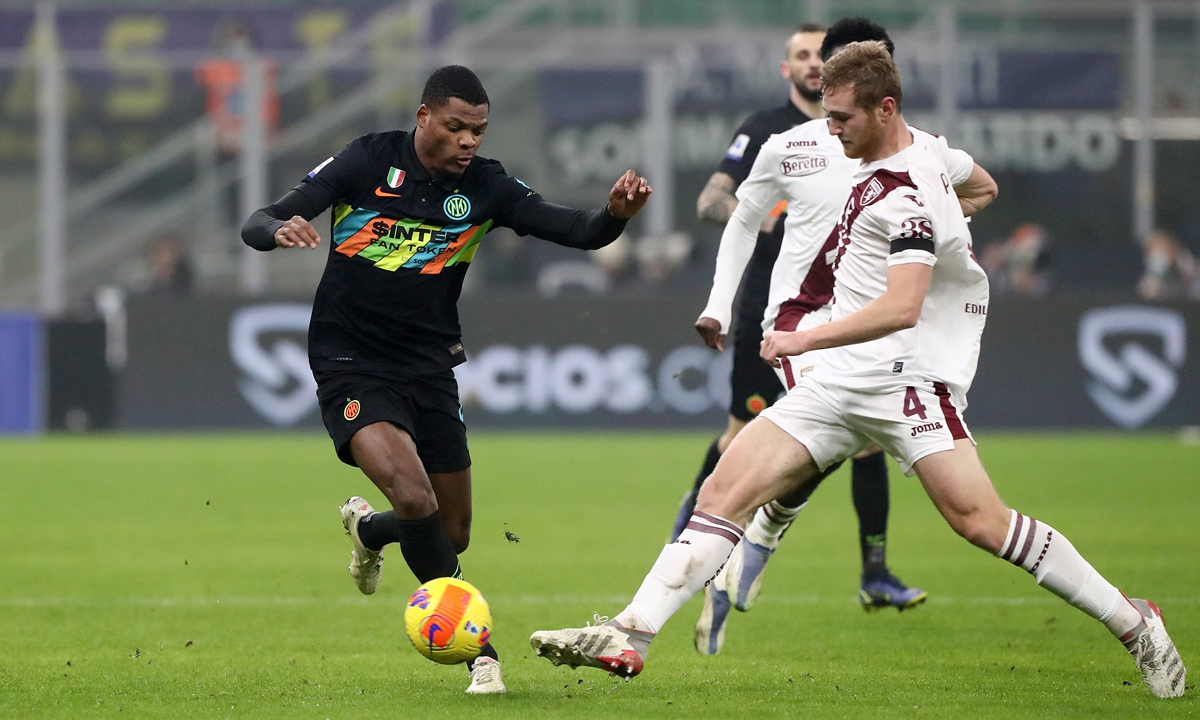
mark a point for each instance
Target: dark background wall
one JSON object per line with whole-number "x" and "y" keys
{"x": 635, "y": 362}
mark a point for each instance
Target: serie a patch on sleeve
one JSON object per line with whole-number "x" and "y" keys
{"x": 738, "y": 149}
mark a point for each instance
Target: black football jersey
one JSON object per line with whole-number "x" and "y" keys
{"x": 401, "y": 244}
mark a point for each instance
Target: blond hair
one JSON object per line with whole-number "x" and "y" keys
{"x": 867, "y": 68}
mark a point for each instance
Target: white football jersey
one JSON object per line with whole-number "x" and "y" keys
{"x": 807, "y": 167}
{"x": 903, "y": 209}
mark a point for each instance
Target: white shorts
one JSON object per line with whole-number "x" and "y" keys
{"x": 794, "y": 367}
{"x": 835, "y": 423}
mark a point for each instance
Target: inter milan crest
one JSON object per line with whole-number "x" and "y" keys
{"x": 352, "y": 409}
{"x": 456, "y": 207}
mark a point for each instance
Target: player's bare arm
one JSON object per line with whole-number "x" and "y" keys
{"x": 628, "y": 196}
{"x": 717, "y": 201}
{"x": 976, "y": 192}
{"x": 897, "y": 309}
{"x": 297, "y": 232}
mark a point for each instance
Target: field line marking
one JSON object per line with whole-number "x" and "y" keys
{"x": 600, "y": 600}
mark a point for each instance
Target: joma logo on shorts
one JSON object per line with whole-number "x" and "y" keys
{"x": 926, "y": 427}
{"x": 1042, "y": 556}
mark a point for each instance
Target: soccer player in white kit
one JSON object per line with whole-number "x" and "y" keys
{"x": 806, "y": 167}
{"x": 909, "y": 308}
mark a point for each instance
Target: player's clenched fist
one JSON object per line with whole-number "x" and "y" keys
{"x": 777, "y": 344}
{"x": 628, "y": 196}
{"x": 297, "y": 232}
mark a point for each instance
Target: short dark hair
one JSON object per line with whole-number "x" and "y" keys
{"x": 809, "y": 27}
{"x": 855, "y": 29}
{"x": 453, "y": 81}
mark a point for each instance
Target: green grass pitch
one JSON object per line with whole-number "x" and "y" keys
{"x": 205, "y": 576}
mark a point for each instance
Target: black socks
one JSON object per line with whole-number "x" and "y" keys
{"x": 710, "y": 464}
{"x": 379, "y": 529}
{"x": 869, "y": 487}
{"x": 426, "y": 548}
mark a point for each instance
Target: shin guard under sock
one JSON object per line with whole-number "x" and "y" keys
{"x": 683, "y": 568}
{"x": 1057, "y": 566}
{"x": 426, "y": 548}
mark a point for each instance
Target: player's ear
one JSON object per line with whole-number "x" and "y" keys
{"x": 783, "y": 70}
{"x": 887, "y": 108}
{"x": 422, "y": 115}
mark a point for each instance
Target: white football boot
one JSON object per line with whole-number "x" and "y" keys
{"x": 1155, "y": 654}
{"x": 365, "y": 565}
{"x": 619, "y": 651}
{"x": 485, "y": 678}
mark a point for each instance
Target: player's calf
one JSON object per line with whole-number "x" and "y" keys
{"x": 761, "y": 464}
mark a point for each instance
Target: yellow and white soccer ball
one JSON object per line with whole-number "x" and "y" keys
{"x": 448, "y": 621}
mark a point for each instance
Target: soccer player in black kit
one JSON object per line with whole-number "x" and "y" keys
{"x": 755, "y": 385}
{"x": 409, "y": 212}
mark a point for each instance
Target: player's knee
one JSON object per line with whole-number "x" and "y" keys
{"x": 409, "y": 499}
{"x": 976, "y": 529}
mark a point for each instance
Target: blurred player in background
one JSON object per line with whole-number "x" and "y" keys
{"x": 755, "y": 385}
{"x": 409, "y": 212}
{"x": 899, "y": 357}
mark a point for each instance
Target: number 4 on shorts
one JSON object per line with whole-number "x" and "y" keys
{"x": 912, "y": 404}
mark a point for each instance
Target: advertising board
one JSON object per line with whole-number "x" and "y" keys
{"x": 634, "y": 361}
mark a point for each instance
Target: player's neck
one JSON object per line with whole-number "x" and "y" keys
{"x": 813, "y": 109}
{"x": 896, "y": 137}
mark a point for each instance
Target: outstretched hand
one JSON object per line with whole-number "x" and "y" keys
{"x": 297, "y": 232}
{"x": 628, "y": 196}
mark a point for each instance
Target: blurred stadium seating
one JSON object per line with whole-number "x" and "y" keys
{"x": 123, "y": 134}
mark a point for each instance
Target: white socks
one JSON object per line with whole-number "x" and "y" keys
{"x": 770, "y": 522}
{"x": 1057, "y": 565}
{"x": 683, "y": 568}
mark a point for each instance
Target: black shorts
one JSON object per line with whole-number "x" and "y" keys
{"x": 425, "y": 407}
{"x": 754, "y": 383}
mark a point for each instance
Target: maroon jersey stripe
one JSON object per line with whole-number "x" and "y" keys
{"x": 816, "y": 291}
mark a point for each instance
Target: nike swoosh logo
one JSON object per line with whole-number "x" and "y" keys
{"x": 379, "y": 191}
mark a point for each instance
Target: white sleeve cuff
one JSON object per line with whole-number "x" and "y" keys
{"x": 905, "y": 257}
